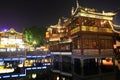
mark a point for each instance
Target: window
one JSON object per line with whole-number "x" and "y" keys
{"x": 77, "y": 43}
{"x": 106, "y": 44}
{"x": 64, "y": 47}
{"x": 54, "y": 31}
{"x": 90, "y": 43}
{"x": 89, "y": 22}
{"x": 104, "y": 23}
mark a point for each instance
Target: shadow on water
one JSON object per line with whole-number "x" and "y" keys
{"x": 91, "y": 74}
{"x": 89, "y": 68}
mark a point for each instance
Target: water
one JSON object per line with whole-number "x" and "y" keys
{"x": 25, "y": 68}
{"x": 41, "y": 69}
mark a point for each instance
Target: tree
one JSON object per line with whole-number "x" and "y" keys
{"x": 35, "y": 35}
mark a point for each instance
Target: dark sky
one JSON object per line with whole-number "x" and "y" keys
{"x": 24, "y": 13}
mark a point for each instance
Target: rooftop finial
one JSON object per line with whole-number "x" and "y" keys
{"x": 59, "y": 21}
{"x": 77, "y": 3}
{"x": 72, "y": 11}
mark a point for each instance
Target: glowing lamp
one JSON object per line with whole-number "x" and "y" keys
{"x": 34, "y": 76}
{"x": 5, "y": 30}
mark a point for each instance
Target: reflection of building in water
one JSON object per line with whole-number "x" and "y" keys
{"x": 11, "y": 41}
{"x": 37, "y": 61}
{"x": 86, "y": 49}
{"x": 5, "y": 68}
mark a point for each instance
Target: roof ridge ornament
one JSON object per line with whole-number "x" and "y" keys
{"x": 73, "y": 11}
{"x": 12, "y": 30}
{"x": 59, "y": 22}
{"x": 77, "y": 3}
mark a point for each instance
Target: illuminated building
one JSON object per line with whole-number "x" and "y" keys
{"x": 54, "y": 34}
{"x": 92, "y": 41}
{"x": 87, "y": 47}
{"x": 11, "y": 41}
{"x": 91, "y": 31}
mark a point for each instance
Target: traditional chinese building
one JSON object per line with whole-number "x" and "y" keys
{"x": 92, "y": 41}
{"x": 90, "y": 51}
{"x": 59, "y": 45}
{"x": 11, "y": 41}
{"x": 54, "y": 34}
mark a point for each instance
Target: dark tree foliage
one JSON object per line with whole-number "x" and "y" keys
{"x": 35, "y": 34}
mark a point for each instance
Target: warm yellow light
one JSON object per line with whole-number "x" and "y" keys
{"x": 21, "y": 46}
{"x": 12, "y": 31}
{"x": 107, "y": 61}
{"x": 20, "y": 65}
{"x": 34, "y": 42}
{"x": 47, "y": 35}
{"x": 58, "y": 78}
{"x": 34, "y": 76}
{"x": 6, "y": 70}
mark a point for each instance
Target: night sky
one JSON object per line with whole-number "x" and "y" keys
{"x": 26, "y": 13}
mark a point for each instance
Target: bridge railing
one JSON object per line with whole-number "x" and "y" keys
{"x": 36, "y": 53}
{"x": 12, "y": 54}
{"x": 22, "y": 54}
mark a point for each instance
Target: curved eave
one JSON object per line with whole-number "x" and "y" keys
{"x": 7, "y": 32}
{"x": 87, "y": 12}
{"x": 114, "y": 28}
{"x": 94, "y": 16}
{"x": 109, "y": 14}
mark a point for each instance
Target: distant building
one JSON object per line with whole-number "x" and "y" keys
{"x": 55, "y": 33}
{"x": 11, "y": 41}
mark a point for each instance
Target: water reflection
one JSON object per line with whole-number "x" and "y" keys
{"x": 61, "y": 69}
{"x": 90, "y": 68}
{"x": 24, "y": 69}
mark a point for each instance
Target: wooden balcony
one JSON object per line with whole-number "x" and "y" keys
{"x": 93, "y": 52}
